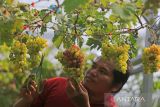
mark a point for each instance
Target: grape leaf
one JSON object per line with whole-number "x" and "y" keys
{"x": 5, "y": 32}
{"x": 70, "y": 5}
{"x": 94, "y": 43}
{"x": 43, "y": 29}
{"x": 57, "y": 40}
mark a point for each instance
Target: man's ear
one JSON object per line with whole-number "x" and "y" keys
{"x": 116, "y": 87}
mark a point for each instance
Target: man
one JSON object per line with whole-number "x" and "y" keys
{"x": 62, "y": 92}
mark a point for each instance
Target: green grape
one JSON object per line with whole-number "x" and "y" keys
{"x": 18, "y": 56}
{"x": 151, "y": 58}
{"x": 26, "y": 51}
{"x": 119, "y": 54}
{"x": 24, "y": 38}
{"x": 35, "y": 46}
{"x": 34, "y": 60}
{"x": 72, "y": 60}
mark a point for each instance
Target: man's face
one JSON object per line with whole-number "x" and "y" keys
{"x": 99, "y": 78}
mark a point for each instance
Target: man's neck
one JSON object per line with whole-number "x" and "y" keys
{"x": 95, "y": 98}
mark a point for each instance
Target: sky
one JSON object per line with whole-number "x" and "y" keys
{"x": 43, "y": 4}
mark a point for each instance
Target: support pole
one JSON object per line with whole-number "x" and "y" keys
{"x": 147, "y": 81}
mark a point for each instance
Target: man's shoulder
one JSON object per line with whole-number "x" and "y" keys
{"x": 55, "y": 80}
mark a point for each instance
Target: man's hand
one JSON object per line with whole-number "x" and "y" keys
{"x": 77, "y": 93}
{"x": 27, "y": 95}
{"x": 30, "y": 92}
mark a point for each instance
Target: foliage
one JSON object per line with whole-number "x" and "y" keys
{"x": 116, "y": 21}
{"x": 156, "y": 85}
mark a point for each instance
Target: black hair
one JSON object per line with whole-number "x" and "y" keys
{"x": 120, "y": 78}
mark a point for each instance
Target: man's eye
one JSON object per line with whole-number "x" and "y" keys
{"x": 103, "y": 72}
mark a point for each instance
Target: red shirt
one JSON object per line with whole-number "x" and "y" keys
{"x": 54, "y": 94}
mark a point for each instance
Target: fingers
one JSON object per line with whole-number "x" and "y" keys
{"x": 23, "y": 91}
{"x": 70, "y": 87}
{"x": 33, "y": 83}
{"x": 82, "y": 87}
{"x": 75, "y": 89}
{"x": 31, "y": 89}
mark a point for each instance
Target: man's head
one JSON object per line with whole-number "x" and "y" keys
{"x": 102, "y": 78}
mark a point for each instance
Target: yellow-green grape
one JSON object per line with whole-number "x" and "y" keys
{"x": 35, "y": 46}
{"x": 74, "y": 73}
{"x": 18, "y": 56}
{"x": 4, "y": 48}
{"x": 151, "y": 58}
{"x": 72, "y": 60}
{"x": 119, "y": 54}
{"x": 34, "y": 60}
{"x": 24, "y": 38}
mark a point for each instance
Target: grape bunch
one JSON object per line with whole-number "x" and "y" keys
{"x": 35, "y": 46}
{"x": 26, "y": 52}
{"x": 18, "y": 56}
{"x": 117, "y": 53}
{"x": 72, "y": 60}
{"x": 151, "y": 58}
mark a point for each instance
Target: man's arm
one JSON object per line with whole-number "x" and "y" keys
{"x": 21, "y": 103}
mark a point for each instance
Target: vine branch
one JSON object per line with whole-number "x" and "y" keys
{"x": 58, "y": 3}
{"x": 139, "y": 19}
{"x": 75, "y": 23}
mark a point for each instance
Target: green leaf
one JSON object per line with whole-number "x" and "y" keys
{"x": 17, "y": 26}
{"x": 109, "y": 27}
{"x": 57, "y": 40}
{"x": 70, "y": 5}
{"x": 104, "y": 3}
{"x": 43, "y": 29}
{"x": 113, "y": 18}
{"x": 123, "y": 12}
{"x": 9, "y": 2}
{"x": 139, "y": 3}
{"x": 117, "y": 9}
{"x": 80, "y": 42}
{"x": 5, "y": 32}
{"x": 48, "y": 19}
{"x": 89, "y": 32}
{"x": 112, "y": 1}
{"x": 94, "y": 43}
{"x": 131, "y": 8}
{"x": 42, "y": 13}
